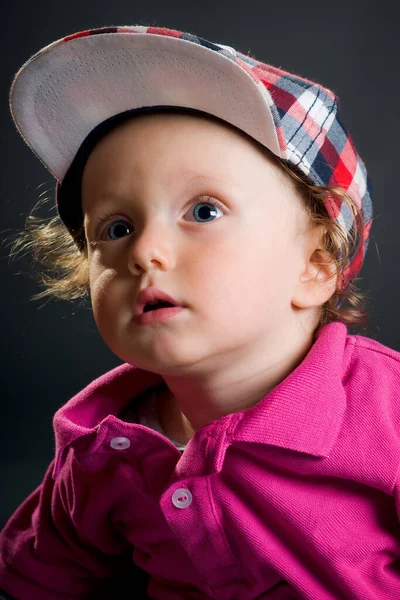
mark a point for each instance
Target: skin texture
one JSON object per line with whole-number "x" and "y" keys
{"x": 245, "y": 271}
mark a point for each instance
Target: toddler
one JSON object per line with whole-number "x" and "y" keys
{"x": 248, "y": 446}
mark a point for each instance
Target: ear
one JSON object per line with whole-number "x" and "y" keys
{"x": 317, "y": 282}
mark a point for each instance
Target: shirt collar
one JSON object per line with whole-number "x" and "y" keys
{"x": 107, "y": 395}
{"x": 303, "y": 413}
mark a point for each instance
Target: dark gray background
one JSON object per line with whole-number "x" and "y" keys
{"x": 52, "y": 350}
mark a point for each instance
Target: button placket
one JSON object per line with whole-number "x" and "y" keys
{"x": 199, "y": 530}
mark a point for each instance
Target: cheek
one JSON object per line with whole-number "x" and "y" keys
{"x": 104, "y": 294}
{"x": 211, "y": 270}
{"x": 230, "y": 275}
{"x": 249, "y": 274}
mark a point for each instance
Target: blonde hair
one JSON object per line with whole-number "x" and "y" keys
{"x": 64, "y": 272}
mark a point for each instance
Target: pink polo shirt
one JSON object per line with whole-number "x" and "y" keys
{"x": 295, "y": 497}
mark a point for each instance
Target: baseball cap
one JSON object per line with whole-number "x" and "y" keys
{"x": 70, "y": 93}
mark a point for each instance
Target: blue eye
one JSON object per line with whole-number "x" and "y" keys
{"x": 206, "y": 210}
{"x": 120, "y": 226}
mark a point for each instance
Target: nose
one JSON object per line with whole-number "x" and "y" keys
{"x": 151, "y": 249}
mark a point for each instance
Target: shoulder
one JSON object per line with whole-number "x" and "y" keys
{"x": 370, "y": 441}
{"x": 371, "y": 379}
{"x": 368, "y": 354}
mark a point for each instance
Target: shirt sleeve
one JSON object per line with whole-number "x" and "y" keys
{"x": 394, "y": 567}
{"x": 44, "y": 557}
{"x": 396, "y": 493}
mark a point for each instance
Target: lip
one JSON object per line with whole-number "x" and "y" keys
{"x": 157, "y": 316}
{"x": 151, "y": 294}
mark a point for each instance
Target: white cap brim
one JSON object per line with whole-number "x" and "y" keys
{"x": 67, "y": 89}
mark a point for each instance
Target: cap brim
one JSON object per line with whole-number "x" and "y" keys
{"x": 68, "y": 88}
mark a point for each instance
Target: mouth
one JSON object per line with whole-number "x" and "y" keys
{"x": 157, "y": 313}
{"x": 157, "y": 305}
{"x": 152, "y": 299}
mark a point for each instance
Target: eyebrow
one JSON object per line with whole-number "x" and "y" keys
{"x": 108, "y": 196}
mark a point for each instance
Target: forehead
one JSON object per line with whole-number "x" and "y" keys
{"x": 139, "y": 131}
{"x": 170, "y": 152}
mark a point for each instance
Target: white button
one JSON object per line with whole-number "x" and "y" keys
{"x": 182, "y": 498}
{"x": 120, "y": 443}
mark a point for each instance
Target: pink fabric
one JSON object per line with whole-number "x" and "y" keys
{"x": 296, "y": 497}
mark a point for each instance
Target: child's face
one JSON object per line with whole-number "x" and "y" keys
{"x": 236, "y": 268}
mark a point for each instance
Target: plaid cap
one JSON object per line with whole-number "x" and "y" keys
{"x": 297, "y": 119}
